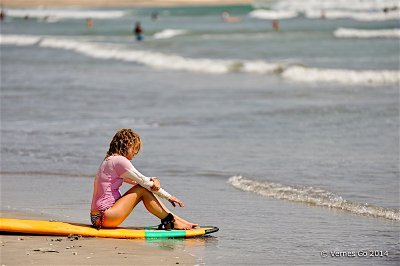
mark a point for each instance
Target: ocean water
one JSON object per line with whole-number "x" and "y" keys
{"x": 286, "y": 140}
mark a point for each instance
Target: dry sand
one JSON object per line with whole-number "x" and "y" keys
{"x": 19, "y": 249}
{"x": 116, "y": 3}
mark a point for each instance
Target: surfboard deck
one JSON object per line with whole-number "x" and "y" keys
{"x": 40, "y": 227}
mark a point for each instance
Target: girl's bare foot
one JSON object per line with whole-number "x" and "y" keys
{"x": 181, "y": 225}
{"x": 190, "y": 225}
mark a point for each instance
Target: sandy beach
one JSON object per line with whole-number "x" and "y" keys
{"x": 19, "y": 249}
{"x": 117, "y": 3}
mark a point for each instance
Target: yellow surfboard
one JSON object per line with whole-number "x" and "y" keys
{"x": 38, "y": 227}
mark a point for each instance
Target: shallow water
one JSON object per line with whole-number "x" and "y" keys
{"x": 60, "y": 106}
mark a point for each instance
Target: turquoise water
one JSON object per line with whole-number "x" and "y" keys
{"x": 287, "y": 141}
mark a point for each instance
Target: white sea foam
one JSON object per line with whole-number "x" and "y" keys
{"x": 327, "y": 14}
{"x": 360, "y": 10}
{"x": 262, "y": 67}
{"x": 206, "y": 65}
{"x": 56, "y": 14}
{"x": 272, "y": 14}
{"x": 334, "y": 4}
{"x": 19, "y": 40}
{"x": 312, "y": 196}
{"x": 357, "y": 33}
{"x": 355, "y": 15}
{"x": 153, "y": 59}
{"x": 163, "y": 61}
{"x": 343, "y": 76}
{"x": 169, "y": 33}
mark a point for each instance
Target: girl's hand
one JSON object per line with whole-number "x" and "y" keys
{"x": 174, "y": 200}
{"x": 156, "y": 184}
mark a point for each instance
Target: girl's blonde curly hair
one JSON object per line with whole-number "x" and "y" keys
{"x": 122, "y": 141}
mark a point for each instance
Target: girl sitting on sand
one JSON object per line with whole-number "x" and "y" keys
{"x": 109, "y": 208}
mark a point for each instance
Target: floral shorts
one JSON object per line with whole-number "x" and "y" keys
{"x": 97, "y": 218}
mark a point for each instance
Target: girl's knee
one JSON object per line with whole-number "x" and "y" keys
{"x": 137, "y": 189}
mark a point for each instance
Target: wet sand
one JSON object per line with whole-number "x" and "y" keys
{"x": 20, "y": 249}
{"x": 116, "y": 3}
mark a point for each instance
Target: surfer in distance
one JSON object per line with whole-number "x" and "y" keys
{"x": 138, "y": 31}
{"x": 109, "y": 208}
{"x": 226, "y": 17}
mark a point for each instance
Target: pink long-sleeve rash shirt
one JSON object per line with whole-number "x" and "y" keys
{"x": 109, "y": 178}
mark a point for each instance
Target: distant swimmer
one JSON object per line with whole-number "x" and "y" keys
{"x": 154, "y": 15}
{"x": 226, "y": 17}
{"x": 275, "y": 25}
{"x": 89, "y": 23}
{"x": 138, "y": 31}
{"x": 2, "y": 15}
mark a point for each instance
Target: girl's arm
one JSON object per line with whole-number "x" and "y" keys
{"x": 135, "y": 176}
{"x": 129, "y": 181}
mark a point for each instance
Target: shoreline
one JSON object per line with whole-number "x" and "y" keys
{"x": 118, "y": 3}
{"x": 24, "y": 249}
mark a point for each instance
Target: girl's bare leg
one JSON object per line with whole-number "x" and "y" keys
{"x": 191, "y": 225}
{"x": 124, "y": 206}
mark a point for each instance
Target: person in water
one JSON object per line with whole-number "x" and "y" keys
{"x": 2, "y": 15}
{"x": 109, "y": 208}
{"x": 89, "y": 23}
{"x": 138, "y": 31}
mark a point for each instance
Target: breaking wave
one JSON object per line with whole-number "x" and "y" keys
{"x": 19, "y": 40}
{"x": 59, "y": 14}
{"x": 360, "y": 16}
{"x": 326, "y": 14}
{"x": 272, "y": 14}
{"x": 357, "y": 33}
{"x": 374, "y": 10}
{"x": 342, "y": 76}
{"x": 168, "y": 33}
{"x": 329, "y": 4}
{"x": 312, "y": 196}
{"x": 289, "y": 71}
